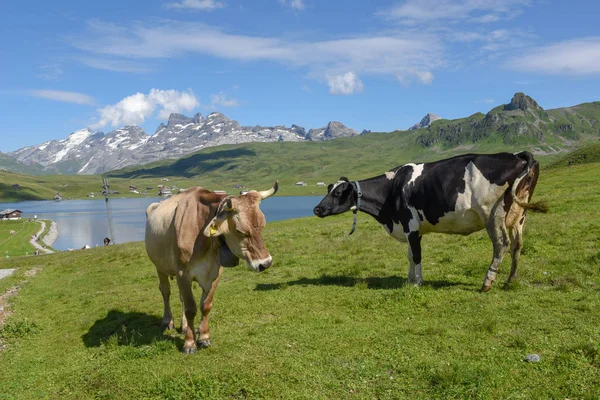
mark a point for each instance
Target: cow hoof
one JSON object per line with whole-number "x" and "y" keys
{"x": 485, "y": 288}
{"x": 202, "y": 344}
{"x": 189, "y": 350}
{"x": 167, "y": 326}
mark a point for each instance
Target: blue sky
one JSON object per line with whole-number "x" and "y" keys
{"x": 378, "y": 65}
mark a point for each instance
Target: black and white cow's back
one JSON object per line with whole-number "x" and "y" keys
{"x": 459, "y": 195}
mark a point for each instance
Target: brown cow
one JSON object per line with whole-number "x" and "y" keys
{"x": 191, "y": 235}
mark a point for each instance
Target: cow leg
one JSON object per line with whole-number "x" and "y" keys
{"x": 497, "y": 231}
{"x": 184, "y": 322}
{"x": 165, "y": 290}
{"x": 414, "y": 258}
{"x": 208, "y": 291}
{"x": 516, "y": 238}
{"x": 190, "y": 309}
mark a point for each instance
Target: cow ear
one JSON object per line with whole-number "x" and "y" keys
{"x": 228, "y": 206}
{"x": 343, "y": 178}
{"x": 329, "y": 187}
{"x": 187, "y": 226}
{"x": 217, "y": 226}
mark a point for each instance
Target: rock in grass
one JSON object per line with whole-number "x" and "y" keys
{"x": 533, "y": 358}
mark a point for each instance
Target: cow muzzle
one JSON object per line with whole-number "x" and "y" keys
{"x": 319, "y": 212}
{"x": 261, "y": 265}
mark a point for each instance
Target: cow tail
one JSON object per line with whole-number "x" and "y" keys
{"x": 530, "y": 174}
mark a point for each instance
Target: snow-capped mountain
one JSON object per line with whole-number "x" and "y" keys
{"x": 86, "y": 152}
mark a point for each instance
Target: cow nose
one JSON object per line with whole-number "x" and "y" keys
{"x": 317, "y": 211}
{"x": 265, "y": 264}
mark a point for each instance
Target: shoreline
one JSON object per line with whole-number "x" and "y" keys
{"x": 52, "y": 234}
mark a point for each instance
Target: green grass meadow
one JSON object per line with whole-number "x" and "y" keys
{"x": 333, "y": 318}
{"x": 17, "y": 244}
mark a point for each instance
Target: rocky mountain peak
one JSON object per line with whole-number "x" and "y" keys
{"x": 425, "y": 122}
{"x": 179, "y": 119}
{"x": 334, "y": 129}
{"x": 197, "y": 118}
{"x": 521, "y": 101}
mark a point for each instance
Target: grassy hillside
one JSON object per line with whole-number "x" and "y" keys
{"x": 585, "y": 155}
{"x": 7, "y": 163}
{"x": 522, "y": 122}
{"x": 333, "y": 317}
{"x": 79, "y": 186}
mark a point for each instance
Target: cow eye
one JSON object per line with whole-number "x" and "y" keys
{"x": 242, "y": 233}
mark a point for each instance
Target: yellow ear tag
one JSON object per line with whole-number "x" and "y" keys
{"x": 213, "y": 230}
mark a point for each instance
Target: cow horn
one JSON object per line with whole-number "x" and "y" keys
{"x": 268, "y": 193}
{"x": 228, "y": 205}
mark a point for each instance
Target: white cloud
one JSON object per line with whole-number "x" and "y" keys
{"x": 344, "y": 84}
{"x": 390, "y": 53}
{"x": 407, "y": 77}
{"x": 482, "y": 11}
{"x": 50, "y": 71}
{"x": 488, "y": 101}
{"x": 204, "y": 5}
{"x": 65, "y": 97}
{"x": 134, "y": 109}
{"x": 223, "y": 100}
{"x": 114, "y": 65}
{"x": 578, "y": 57}
{"x": 296, "y": 4}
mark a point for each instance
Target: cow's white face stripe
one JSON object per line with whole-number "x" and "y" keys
{"x": 417, "y": 171}
{"x": 338, "y": 183}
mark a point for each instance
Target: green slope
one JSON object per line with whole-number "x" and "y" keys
{"x": 585, "y": 155}
{"x": 522, "y": 122}
{"x": 7, "y": 163}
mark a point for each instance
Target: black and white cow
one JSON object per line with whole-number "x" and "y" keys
{"x": 459, "y": 195}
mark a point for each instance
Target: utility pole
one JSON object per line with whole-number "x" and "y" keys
{"x": 106, "y": 190}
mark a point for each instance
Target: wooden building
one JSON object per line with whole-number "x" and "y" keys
{"x": 10, "y": 214}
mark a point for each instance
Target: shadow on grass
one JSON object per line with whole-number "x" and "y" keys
{"x": 127, "y": 329}
{"x": 373, "y": 282}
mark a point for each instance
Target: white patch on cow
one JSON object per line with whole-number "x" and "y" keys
{"x": 413, "y": 224}
{"x": 338, "y": 183}
{"x": 397, "y": 232}
{"x": 417, "y": 171}
{"x": 473, "y": 207}
{"x": 390, "y": 175}
{"x": 418, "y": 275}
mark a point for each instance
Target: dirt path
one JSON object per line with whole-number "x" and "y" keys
{"x": 6, "y": 272}
{"x": 47, "y": 240}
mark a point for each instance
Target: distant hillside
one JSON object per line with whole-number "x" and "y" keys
{"x": 18, "y": 187}
{"x": 8, "y": 163}
{"x": 585, "y": 155}
{"x": 522, "y": 122}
